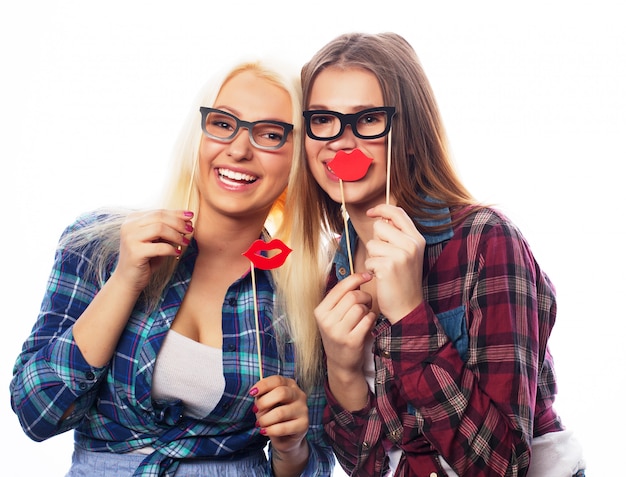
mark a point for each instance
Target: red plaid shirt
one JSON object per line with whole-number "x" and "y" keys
{"x": 467, "y": 375}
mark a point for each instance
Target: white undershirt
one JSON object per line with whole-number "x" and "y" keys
{"x": 369, "y": 370}
{"x": 189, "y": 371}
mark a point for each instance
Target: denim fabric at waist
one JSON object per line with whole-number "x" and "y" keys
{"x": 104, "y": 464}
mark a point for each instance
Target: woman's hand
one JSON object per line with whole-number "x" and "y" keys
{"x": 283, "y": 416}
{"x": 345, "y": 319}
{"x": 146, "y": 238}
{"x": 396, "y": 257}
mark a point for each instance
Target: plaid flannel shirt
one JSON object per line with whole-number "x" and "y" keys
{"x": 113, "y": 409}
{"x": 467, "y": 375}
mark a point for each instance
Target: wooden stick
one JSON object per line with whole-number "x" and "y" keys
{"x": 344, "y": 212}
{"x": 193, "y": 173}
{"x": 256, "y": 322}
{"x": 388, "y": 192}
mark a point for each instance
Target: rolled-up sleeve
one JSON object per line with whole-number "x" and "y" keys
{"x": 50, "y": 375}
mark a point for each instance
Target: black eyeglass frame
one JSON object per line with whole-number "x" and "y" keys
{"x": 348, "y": 119}
{"x": 249, "y": 125}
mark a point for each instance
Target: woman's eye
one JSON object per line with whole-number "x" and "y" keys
{"x": 268, "y": 135}
{"x": 223, "y": 125}
{"x": 370, "y": 118}
{"x": 321, "y": 119}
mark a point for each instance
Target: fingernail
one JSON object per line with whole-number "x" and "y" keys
{"x": 255, "y": 409}
{"x": 263, "y": 431}
{"x": 254, "y": 392}
{"x": 188, "y": 213}
{"x": 189, "y": 227}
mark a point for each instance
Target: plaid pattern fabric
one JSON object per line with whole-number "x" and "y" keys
{"x": 113, "y": 409}
{"x": 476, "y": 398}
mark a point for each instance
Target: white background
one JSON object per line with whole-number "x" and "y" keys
{"x": 532, "y": 94}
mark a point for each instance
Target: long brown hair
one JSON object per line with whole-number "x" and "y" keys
{"x": 421, "y": 171}
{"x": 421, "y": 165}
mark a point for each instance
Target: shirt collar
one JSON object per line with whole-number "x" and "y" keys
{"x": 341, "y": 260}
{"x": 188, "y": 260}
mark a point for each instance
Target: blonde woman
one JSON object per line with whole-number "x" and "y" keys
{"x": 146, "y": 343}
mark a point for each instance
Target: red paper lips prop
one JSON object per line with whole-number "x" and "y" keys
{"x": 263, "y": 262}
{"x": 350, "y": 166}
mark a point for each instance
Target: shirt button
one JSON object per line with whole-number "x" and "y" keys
{"x": 232, "y": 301}
{"x": 342, "y": 270}
{"x": 231, "y": 347}
{"x": 386, "y": 354}
{"x": 90, "y": 376}
{"x": 82, "y": 386}
{"x": 433, "y": 474}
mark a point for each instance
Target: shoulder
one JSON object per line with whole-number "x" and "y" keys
{"x": 92, "y": 232}
{"x": 488, "y": 221}
{"x": 96, "y": 218}
{"x": 486, "y": 230}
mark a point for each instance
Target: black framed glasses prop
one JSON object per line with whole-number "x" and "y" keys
{"x": 371, "y": 123}
{"x": 224, "y": 126}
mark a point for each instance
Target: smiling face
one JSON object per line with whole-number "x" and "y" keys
{"x": 348, "y": 91}
{"x": 235, "y": 178}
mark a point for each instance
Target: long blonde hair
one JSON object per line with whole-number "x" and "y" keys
{"x": 421, "y": 168}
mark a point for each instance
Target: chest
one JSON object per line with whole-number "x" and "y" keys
{"x": 231, "y": 325}
{"x": 200, "y": 315}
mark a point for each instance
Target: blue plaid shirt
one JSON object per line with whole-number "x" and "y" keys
{"x": 113, "y": 408}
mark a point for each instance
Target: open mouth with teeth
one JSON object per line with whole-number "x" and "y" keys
{"x": 235, "y": 178}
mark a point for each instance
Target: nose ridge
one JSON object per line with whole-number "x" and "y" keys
{"x": 240, "y": 146}
{"x": 347, "y": 140}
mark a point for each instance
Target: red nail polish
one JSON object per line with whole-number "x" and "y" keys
{"x": 263, "y": 431}
{"x": 255, "y": 409}
{"x": 254, "y": 392}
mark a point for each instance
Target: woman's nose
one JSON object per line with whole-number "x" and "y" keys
{"x": 347, "y": 140}
{"x": 240, "y": 147}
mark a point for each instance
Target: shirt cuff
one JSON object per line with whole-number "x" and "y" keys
{"x": 68, "y": 362}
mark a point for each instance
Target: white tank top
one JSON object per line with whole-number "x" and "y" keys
{"x": 189, "y": 371}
